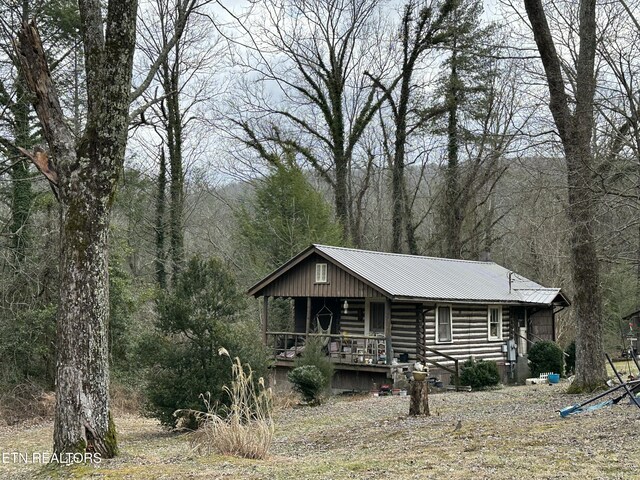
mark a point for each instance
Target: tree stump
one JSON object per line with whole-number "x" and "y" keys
{"x": 419, "y": 404}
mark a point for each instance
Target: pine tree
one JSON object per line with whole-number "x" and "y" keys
{"x": 285, "y": 216}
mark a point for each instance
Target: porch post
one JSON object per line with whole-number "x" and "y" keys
{"x": 387, "y": 330}
{"x": 308, "y": 327}
{"x": 265, "y": 318}
{"x": 421, "y": 336}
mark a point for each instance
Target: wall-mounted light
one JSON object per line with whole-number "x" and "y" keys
{"x": 345, "y": 306}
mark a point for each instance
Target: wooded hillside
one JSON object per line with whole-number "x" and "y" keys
{"x": 253, "y": 129}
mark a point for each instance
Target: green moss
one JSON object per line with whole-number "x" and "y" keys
{"x": 49, "y": 471}
{"x": 111, "y": 439}
{"x": 79, "y": 447}
{"x": 79, "y": 471}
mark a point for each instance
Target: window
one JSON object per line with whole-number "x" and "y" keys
{"x": 321, "y": 273}
{"x": 443, "y": 324}
{"x": 495, "y": 323}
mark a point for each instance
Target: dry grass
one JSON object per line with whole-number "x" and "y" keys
{"x": 126, "y": 399}
{"x": 244, "y": 428}
{"x": 26, "y": 403}
{"x": 285, "y": 400}
{"x": 510, "y": 433}
{"x": 624, "y": 368}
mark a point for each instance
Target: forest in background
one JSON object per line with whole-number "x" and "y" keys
{"x": 257, "y": 129}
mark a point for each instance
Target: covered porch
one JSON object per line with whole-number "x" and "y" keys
{"x": 354, "y": 332}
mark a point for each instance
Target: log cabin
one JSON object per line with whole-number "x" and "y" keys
{"x": 377, "y": 313}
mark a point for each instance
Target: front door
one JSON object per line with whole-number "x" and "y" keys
{"x": 374, "y": 317}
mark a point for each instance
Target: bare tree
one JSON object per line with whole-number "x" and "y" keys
{"x": 310, "y": 58}
{"x": 575, "y": 128}
{"x": 182, "y": 89}
{"x": 85, "y": 179}
{"x": 423, "y": 27}
{"x": 617, "y": 166}
{"x": 161, "y": 201}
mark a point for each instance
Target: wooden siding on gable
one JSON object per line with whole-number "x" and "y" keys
{"x": 300, "y": 281}
{"x": 541, "y": 324}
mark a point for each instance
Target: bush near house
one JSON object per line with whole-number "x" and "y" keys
{"x": 546, "y": 357}
{"x": 309, "y": 382}
{"x": 480, "y": 374}
{"x": 315, "y": 355}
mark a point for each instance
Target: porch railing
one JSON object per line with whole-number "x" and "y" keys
{"x": 341, "y": 347}
{"x": 455, "y": 370}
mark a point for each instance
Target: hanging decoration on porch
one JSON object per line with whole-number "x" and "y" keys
{"x": 324, "y": 315}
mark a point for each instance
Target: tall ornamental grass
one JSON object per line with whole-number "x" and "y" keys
{"x": 244, "y": 427}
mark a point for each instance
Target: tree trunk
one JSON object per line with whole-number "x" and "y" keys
{"x": 400, "y": 208}
{"x": 82, "y": 420}
{"x": 590, "y": 366}
{"x": 453, "y": 211}
{"x": 341, "y": 193}
{"x": 21, "y": 201}
{"x": 171, "y": 81}
{"x": 21, "y": 192}
{"x": 575, "y": 130}
{"x": 397, "y": 198}
{"x": 419, "y": 402}
{"x": 85, "y": 176}
{"x": 161, "y": 273}
{"x": 403, "y": 232}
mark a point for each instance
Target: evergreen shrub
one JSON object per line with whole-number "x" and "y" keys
{"x": 545, "y": 357}
{"x": 480, "y": 374}
{"x": 309, "y": 382}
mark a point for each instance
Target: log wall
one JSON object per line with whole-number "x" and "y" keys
{"x": 469, "y": 332}
{"x": 352, "y": 321}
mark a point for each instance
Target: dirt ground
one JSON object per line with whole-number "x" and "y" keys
{"x": 513, "y": 432}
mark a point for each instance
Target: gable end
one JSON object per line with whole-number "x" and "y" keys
{"x": 300, "y": 281}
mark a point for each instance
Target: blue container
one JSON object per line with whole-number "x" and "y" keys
{"x": 554, "y": 377}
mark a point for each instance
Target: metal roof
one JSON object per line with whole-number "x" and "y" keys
{"x": 443, "y": 279}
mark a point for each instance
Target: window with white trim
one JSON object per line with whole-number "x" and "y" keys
{"x": 444, "y": 332}
{"x": 321, "y": 273}
{"x": 494, "y": 322}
